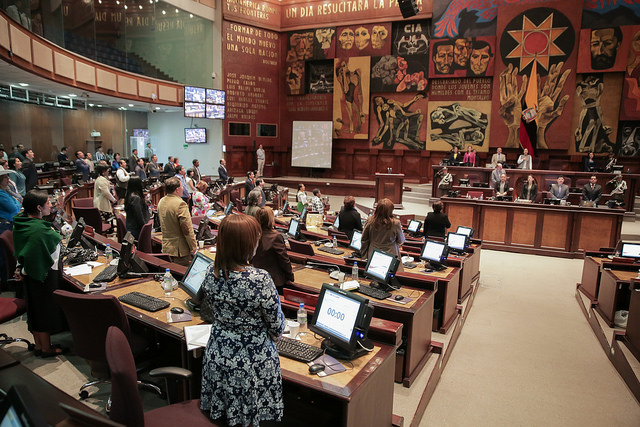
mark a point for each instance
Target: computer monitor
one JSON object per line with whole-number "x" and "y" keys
{"x": 204, "y": 232}
{"x": 467, "y": 231}
{"x": 128, "y": 261}
{"x": 303, "y": 215}
{"x": 336, "y": 223}
{"x": 414, "y": 226}
{"x": 630, "y": 250}
{"x": 20, "y": 408}
{"x": 381, "y": 268}
{"x": 294, "y": 228}
{"x": 343, "y": 319}
{"x": 78, "y": 237}
{"x": 193, "y": 278}
{"x": 356, "y": 240}
{"x": 551, "y": 201}
{"x": 434, "y": 253}
{"x": 457, "y": 242}
{"x": 229, "y": 208}
{"x": 285, "y": 207}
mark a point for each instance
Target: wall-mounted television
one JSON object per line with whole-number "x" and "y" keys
{"x": 195, "y": 135}
{"x": 194, "y": 110}
{"x": 215, "y": 111}
{"x": 195, "y": 94}
{"x": 203, "y": 103}
{"x": 215, "y": 96}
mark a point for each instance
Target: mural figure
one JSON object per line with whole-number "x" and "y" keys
{"x": 324, "y": 37}
{"x": 351, "y": 87}
{"x": 459, "y": 126}
{"x": 362, "y": 38}
{"x": 346, "y": 39}
{"x": 592, "y": 133}
{"x": 411, "y": 38}
{"x": 605, "y": 43}
{"x": 461, "y": 52}
{"x": 397, "y": 123}
{"x": 379, "y": 36}
{"x": 300, "y": 46}
{"x": 463, "y": 16}
{"x": 479, "y": 59}
{"x": 629, "y": 139}
{"x": 443, "y": 56}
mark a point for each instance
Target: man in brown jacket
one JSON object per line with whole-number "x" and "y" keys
{"x": 178, "y": 238}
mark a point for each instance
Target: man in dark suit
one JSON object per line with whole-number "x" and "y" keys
{"x": 81, "y": 165}
{"x": 249, "y": 184}
{"x": 133, "y": 160}
{"x": 29, "y": 170}
{"x": 501, "y": 187}
{"x": 196, "y": 171}
{"x": 349, "y": 217}
{"x": 559, "y": 191}
{"x": 62, "y": 155}
{"x": 222, "y": 171}
{"x": 169, "y": 168}
{"x": 592, "y": 192}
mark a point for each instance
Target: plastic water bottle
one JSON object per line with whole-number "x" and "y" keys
{"x": 108, "y": 253}
{"x": 302, "y": 317}
{"x": 354, "y": 271}
{"x": 167, "y": 283}
{"x": 335, "y": 242}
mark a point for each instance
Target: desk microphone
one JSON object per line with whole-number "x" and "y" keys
{"x": 319, "y": 242}
{"x": 323, "y": 264}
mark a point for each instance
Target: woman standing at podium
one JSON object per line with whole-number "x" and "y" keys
{"x": 382, "y": 231}
{"x": 241, "y": 382}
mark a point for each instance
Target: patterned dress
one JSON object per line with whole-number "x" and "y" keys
{"x": 241, "y": 379}
{"x": 200, "y": 204}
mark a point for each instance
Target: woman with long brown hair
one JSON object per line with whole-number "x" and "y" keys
{"x": 382, "y": 231}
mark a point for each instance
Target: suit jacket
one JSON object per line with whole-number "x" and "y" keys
{"x": 532, "y": 192}
{"x": 169, "y": 169}
{"x": 456, "y": 158}
{"x": 140, "y": 173}
{"x": 349, "y": 220}
{"x": 102, "y": 197}
{"x": 592, "y": 195}
{"x": 496, "y": 187}
{"x": 559, "y": 193}
{"x": 222, "y": 172}
{"x": 81, "y": 166}
{"x": 498, "y": 158}
{"x": 178, "y": 238}
{"x": 387, "y": 239}
{"x": 196, "y": 175}
{"x": 272, "y": 256}
{"x": 154, "y": 170}
{"x": 495, "y": 175}
{"x": 248, "y": 186}
{"x": 31, "y": 174}
{"x": 436, "y": 224}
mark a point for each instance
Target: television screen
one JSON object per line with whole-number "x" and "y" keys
{"x": 194, "y": 94}
{"x": 215, "y": 96}
{"x": 630, "y": 250}
{"x": 311, "y": 144}
{"x": 195, "y": 135}
{"x": 194, "y": 110}
{"x": 215, "y": 111}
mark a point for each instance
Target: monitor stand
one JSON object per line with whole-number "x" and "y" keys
{"x": 432, "y": 266}
{"x": 300, "y": 238}
{"x": 332, "y": 350}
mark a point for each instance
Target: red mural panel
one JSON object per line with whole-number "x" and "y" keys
{"x": 603, "y": 50}
{"x": 251, "y": 76}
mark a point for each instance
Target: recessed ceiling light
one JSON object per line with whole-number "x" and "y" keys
{"x": 125, "y": 7}
{"x": 100, "y": 105}
{"x": 72, "y": 95}
{"x": 157, "y": 108}
{"x": 191, "y": 15}
{"x": 177, "y": 11}
{"x": 130, "y": 105}
{"x": 91, "y": 105}
{"x": 164, "y": 12}
{"x": 24, "y": 84}
{"x": 139, "y": 6}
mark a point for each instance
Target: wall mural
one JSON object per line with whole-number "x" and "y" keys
{"x": 363, "y": 40}
{"x": 294, "y": 78}
{"x": 603, "y": 49}
{"x": 629, "y": 138}
{"x": 458, "y": 124}
{"x": 631, "y": 91}
{"x": 351, "y": 97}
{"x": 319, "y": 76}
{"x": 462, "y": 57}
{"x": 464, "y": 17}
{"x": 398, "y": 73}
{"x": 600, "y": 14}
{"x": 324, "y": 46}
{"x": 398, "y": 121}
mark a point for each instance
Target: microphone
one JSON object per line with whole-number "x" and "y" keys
{"x": 324, "y": 264}
{"x": 319, "y": 242}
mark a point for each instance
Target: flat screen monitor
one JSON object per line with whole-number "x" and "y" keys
{"x": 20, "y": 409}
{"x": 311, "y": 144}
{"x": 195, "y": 110}
{"x": 293, "y": 228}
{"x": 194, "y": 276}
{"x": 229, "y": 208}
{"x": 303, "y": 215}
{"x": 356, "y": 240}
{"x": 195, "y": 135}
{"x": 336, "y": 223}
{"x": 381, "y": 267}
{"x": 195, "y": 94}
{"x": 204, "y": 230}
{"x": 285, "y": 207}
{"x": 215, "y": 96}
{"x": 343, "y": 319}
{"x": 630, "y": 250}
{"x": 435, "y": 253}
{"x": 76, "y": 235}
{"x": 414, "y": 226}
{"x": 467, "y": 231}
{"x": 215, "y": 112}
{"x": 457, "y": 242}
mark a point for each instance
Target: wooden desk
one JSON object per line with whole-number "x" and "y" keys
{"x": 614, "y": 293}
{"x": 565, "y": 231}
{"x": 416, "y": 318}
{"x": 632, "y": 335}
{"x": 389, "y": 186}
{"x": 591, "y": 271}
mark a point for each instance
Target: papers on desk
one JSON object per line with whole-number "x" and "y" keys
{"x": 197, "y": 336}
{"x": 78, "y": 270}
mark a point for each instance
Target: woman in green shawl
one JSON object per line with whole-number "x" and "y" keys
{"x": 37, "y": 247}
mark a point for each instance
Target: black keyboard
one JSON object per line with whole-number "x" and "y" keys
{"x": 330, "y": 250}
{"x": 373, "y": 292}
{"x": 109, "y": 274}
{"x": 297, "y": 350}
{"x": 410, "y": 265}
{"x": 144, "y": 301}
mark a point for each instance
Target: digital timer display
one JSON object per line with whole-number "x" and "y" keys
{"x": 339, "y": 316}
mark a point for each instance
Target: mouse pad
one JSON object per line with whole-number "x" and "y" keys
{"x": 404, "y": 300}
{"x": 182, "y": 317}
{"x": 331, "y": 365}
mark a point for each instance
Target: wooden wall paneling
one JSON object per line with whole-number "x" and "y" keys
{"x": 340, "y": 165}
{"x": 524, "y": 227}
{"x": 461, "y": 215}
{"x": 44, "y": 121}
{"x": 363, "y": 165}
{"x": 595, "y": 231}
{"x": 20, "y": 124}
{"x": 385, "y": 161}
{"x": 413, "y": 166}
{"x": 494, "y": 223}
{"x": 555, "y": 229}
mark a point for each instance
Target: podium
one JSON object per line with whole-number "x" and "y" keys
{"x": 389, "y": 186}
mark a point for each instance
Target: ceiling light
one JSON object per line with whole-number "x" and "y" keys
{"x": 139, "y": 6}
{"x": 24, "y": 84}
{"x": 157, "y": 108}
{"x": 91, "y": 105}
{"x": 164, "y": 12}
{"x": 99, "y": 105}
{"x": 125, "y": 7}
{"x": 72, "y": 95}
{"x": 130, "y": 105}
{"x": 191, "y": 15}
{"x": 177, "y": 11}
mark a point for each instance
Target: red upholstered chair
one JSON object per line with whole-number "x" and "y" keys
{"x": 11, "y": 308}
{"x": 121, "y": 227}
{"x": 126, "y": 406}
{"x": 144, "y": 242}
{"x": 6, "y": 245}
{"x": 85, "y": 202}
{"x": 301, "y": 247}
{"x": 93, "y": 218}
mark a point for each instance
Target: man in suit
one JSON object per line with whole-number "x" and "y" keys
{"x": 196, "y": 171}
{"x": 222, "y": 171}
{"x": 133, "y": 160}
{"x": 178, "y": 238}
{"x": 169, "y": 168}
{"x": 154, "y": 169}
{"x": 29, "y": 170}
{"x": 139, "y": 170}
{"x": 495, "y": 174}
{"x": 249, "y": 184}
{"x": 501, "y": 187}
{"x": 498, "y": 158}
{"x": 81, "y": 165}
{"x": 62, "y": 155}
{"x": 592, "y": 192}
{"x": 559, "y": 191}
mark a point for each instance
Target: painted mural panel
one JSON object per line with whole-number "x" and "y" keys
{"x": 462, "y": 57}
{"x": 351, "y": 98}
{"x": 406, "y": 73}
{"x": 464, "y": 17}
{"x": 398, "y": 121}
{"x": 603, "y": 49}
{"x": 363, "y": 40}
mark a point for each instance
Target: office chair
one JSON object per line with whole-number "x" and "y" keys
{"x": 84, "y": 202}
{"x": 126, "y": 406}
{"x": 89, "y": 318}
{"x": 10, "y": 308}
{"x": 121, "y": 227}
{"x": 338, "y": 234}
{"x": 237, "y": 201}
{"x": 6, "y": 245}
{"x": 93, "y": 218}
{"x": 301, "y": 247}
{"x": 144, "y": 242}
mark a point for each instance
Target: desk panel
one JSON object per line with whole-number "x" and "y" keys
{"x": 524, "y": 233}
{"x": 588, "y": 238}
{"x": 494, "y": 220}
{"x": 554, "y": 230}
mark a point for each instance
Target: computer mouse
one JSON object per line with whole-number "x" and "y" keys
{"x": 177, "y": 310}
{"x": 314, "y": 369}
{"x": 318, "y": 243}
{"x": 399, "y": 297}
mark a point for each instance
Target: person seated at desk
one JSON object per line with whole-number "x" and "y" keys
{"x": 559, "y": 191}
{"x": 382, "y": 231}
{"x": 592, "y": 192}
{"x": 436, "y": 222}
{"x": 272, "y": 253}
{"x": 135, "y": 207}
{"x": 495, "y": 174}
{"x": 455, "y": 157}
{"x": 529, "y": 189}
{"x": 525, "y": 161}
{"x": 349, "y": 217}
{"x": 253, "y": 202}
{"x": 178, "y": 238}
{"x": 501, "y": 188}
{"x": 498, "y": 158}
{"x": 590, "y": 162}
{"x": 470, "y": 156}
{"x": 241, "y": 380}
{"x": 316, "y": 204}
{"x": 103, "y": 198}
{"x": 200, "y": 202}
{"x": 37, "y": 249}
